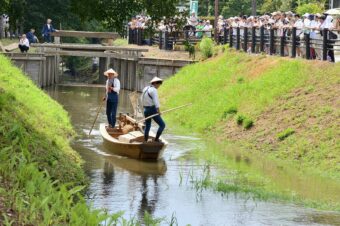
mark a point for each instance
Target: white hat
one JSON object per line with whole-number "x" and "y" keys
{"x": 306, "y": 15}
{"x": 156, "y": 79}
{"x": 110, "y": 71}
{"x": 274, "y": 13}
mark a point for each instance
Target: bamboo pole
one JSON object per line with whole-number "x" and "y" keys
{"x": 173, "y": 109}
{"x": 94, "y": 122}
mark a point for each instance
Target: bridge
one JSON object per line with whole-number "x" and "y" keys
{"x": 134, "y": 69}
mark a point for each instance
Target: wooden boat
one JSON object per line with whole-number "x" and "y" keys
{"x": 127, "y": 139}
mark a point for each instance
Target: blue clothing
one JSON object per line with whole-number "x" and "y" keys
{"x": 46, "y": 32}
{"x": 30, "y": 36}
{"x": 111, "y": 108}
{"x": 148, "y": 111}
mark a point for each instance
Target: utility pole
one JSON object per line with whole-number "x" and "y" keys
{"x": 216, "y": 20}
{"x": 253, "y": 6}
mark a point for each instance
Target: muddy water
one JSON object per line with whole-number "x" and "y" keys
{"x": 164, "y": 188}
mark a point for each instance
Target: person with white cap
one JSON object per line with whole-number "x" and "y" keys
{"x": 151, "y": 105}
{"x": 112, "y": 92}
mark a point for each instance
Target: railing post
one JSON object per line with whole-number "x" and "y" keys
{"x": 160, "y": 39}
{"x": 130, "y": 36}
{"x": 238, "y": 38}
{"x": 271, "y": 41}
{"x": 294, "y": 42}
{"x": 253, "y": 39}
{"x": 325, "y": 44}
{"x": 139, "y": 36}
{"x": 245, "y": 39}
{"x": 166, "y": 40}
{"x": 282, "y": 45}
{"x": 307, "y": 36}
{"x": 225, "y": 35}
{"x": 261, "y": 39}
{"x": 231, "y": 37}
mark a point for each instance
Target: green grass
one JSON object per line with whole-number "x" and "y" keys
{"x": 213, "y": 88}
{"x": 286, "y": 133}
{"x": 265, "y": 95}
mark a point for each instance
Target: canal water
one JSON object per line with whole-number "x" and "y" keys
{"x": 163, "y": 188}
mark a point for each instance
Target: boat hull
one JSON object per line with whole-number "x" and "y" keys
{"x": 151, "y": 151}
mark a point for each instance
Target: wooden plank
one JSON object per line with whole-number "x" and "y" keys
{"x": 2, "y": 49}
{"x": 92, "y": 47}
{"x": 86, "y": 34}
{"x": 11, "y": 47}
{"x": 92, "y": 54}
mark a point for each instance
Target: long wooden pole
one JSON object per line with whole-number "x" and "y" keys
{"x": 94, "y": 122}
{"x": 173, "y": 109}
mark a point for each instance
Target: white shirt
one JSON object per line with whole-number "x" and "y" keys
{"x": 116, "y": 84}
{"x": 24, "y": 42}
{"x": 150, "y": 97}
{"x": 299, "y": 26}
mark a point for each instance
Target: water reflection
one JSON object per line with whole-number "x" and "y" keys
{"x": 122, "y": 184}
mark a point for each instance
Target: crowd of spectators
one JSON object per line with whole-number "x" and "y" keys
{"x": 281, "y": 22}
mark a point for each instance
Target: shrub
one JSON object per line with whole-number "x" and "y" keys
{"x": 207, "y": 47}
{"x": 286, "y": 133}
{"x": 310, "y": 8}
{"x": 240, "y": 119}
{"x": 247, "y": 123}
{"x": 230, "y": 111}
{"x": 240, "y": 80}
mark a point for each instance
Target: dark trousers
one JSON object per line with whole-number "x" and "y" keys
{"x": 47, "y": 38}
{"x": 148, "y": 111}
{"x": 23, "y": 48}
{"x": 111, "y": 109}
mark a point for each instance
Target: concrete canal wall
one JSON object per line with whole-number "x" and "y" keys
{"x": 41, "y": 68}
{"x": 135, "y": 71}
{"x": 135, "y": 75}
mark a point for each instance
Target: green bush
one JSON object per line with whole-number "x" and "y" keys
{"x": 286, "y": 133}
{"x": 310, "y": 8}
{"x": 240, "y": 119}
{"x": 207, "y": 47}
{"x": 230, "y": 111}
{"x": 247, "y": 123}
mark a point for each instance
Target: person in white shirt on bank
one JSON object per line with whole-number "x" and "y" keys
{"x": 151, "y": 105}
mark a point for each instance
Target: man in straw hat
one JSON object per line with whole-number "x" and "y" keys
{"x": 151, "y": 106}
{"x": 112, "y": 92}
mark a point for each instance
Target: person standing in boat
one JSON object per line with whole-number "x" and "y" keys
{"x": 112, "y": 92}
{"x": 151, "y": 106}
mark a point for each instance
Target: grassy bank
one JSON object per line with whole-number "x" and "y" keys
{"x": 40, "y": 175}
{"x": 283, "y": 109}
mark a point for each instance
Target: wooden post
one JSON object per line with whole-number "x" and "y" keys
{"x": 216, "y": 20}
{"x": 231, "y": 37}
{"x": 225, "y": 35}
{"x": 271, "y": 41}
{"x": 160, "y": 39}
{"x": 282, "y": 46}
{"x": 294, "y": 42}
{"x": 261, "y": 39}
{"x": 325, "y": 44}
{"x": 245, "y": 39}
{"x": 307, "y": 40}
{"x": 238, "y": 38}
{"x": 253, "y": 40}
